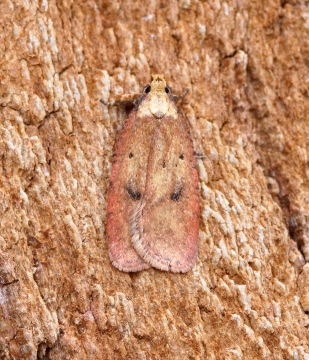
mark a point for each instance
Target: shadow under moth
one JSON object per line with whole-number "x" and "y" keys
{"x": 153, "y": 204}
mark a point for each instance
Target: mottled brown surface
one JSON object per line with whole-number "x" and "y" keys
{"x": 246, "y": 66}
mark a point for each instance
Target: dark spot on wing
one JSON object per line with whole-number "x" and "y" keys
{"x": 130, "y": 155}
{"x": 135, "y": 195}
{"x": 181, "y": 156}
{"x": 176, "y": 194}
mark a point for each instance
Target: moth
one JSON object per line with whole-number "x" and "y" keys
{"x": 153, "y": 203}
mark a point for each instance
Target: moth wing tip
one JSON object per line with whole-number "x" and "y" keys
{"x": 128, "y": 265}
{"x": 130, "y": 268}
{"x": 176, "y": 266}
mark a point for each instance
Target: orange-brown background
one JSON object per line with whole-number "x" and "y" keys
{"x": 246, "y": 66}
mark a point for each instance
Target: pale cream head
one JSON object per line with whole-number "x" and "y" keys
{"x": 158, "y": 83}
{"x": 159, "y": 103}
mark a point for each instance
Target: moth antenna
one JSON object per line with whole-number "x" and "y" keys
{"x": 181, "y": 96}
{"x": 123, "y": 100}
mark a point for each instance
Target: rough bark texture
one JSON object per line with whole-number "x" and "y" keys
{"x": 246, "y": 66}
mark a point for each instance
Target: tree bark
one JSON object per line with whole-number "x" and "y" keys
{"x": 246, "y": 66}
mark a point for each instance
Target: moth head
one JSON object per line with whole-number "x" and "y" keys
{"x": 158, "y": 83}
{"x": 157, "y": 86}
{"x": 158, "y": 92}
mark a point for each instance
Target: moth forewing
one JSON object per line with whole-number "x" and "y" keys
{"x": 153, "y": 205}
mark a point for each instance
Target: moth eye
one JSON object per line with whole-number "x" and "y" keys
{"x": 181, "y": 157}
{"x": 130, "y": 155}
{"x": 167, "y": 90}
{"x": 148, "y": 88}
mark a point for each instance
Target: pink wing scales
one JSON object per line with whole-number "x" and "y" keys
{"x": 120, "y": 206}
{"x": 166, "y": 222}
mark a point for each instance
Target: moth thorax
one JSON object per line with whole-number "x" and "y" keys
{"x": 158, "y": 105}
